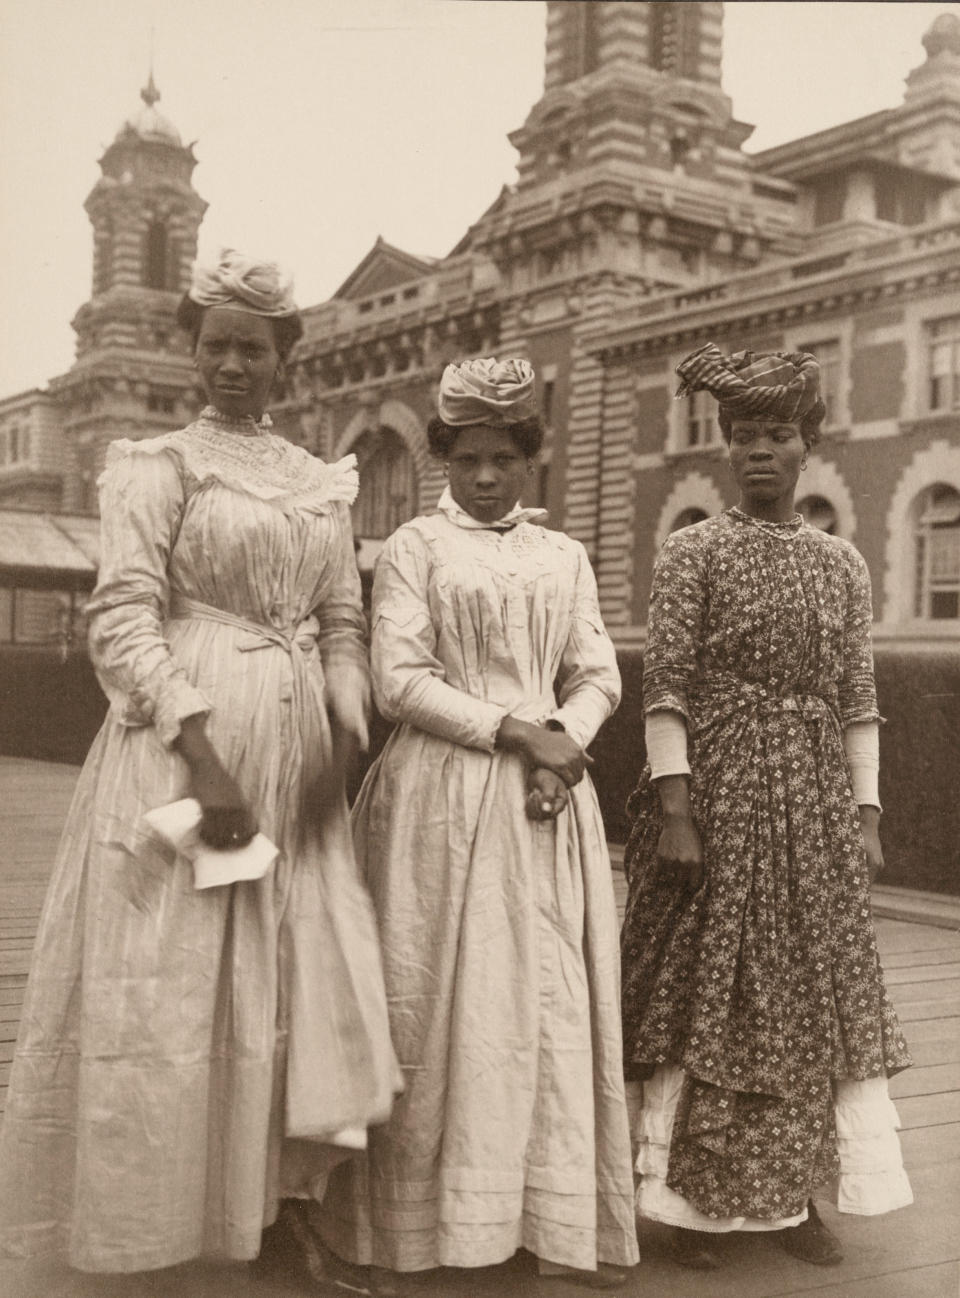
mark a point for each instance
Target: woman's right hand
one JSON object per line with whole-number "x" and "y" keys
{"x": 227, "y": 820}
{"x": 540, "y": 747}
{"x": 680, "y": 853}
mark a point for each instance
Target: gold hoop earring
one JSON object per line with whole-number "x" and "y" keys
{"x": 803, "y": 464}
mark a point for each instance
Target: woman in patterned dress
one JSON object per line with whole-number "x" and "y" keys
{"x": 189, "y": 1059}
{"x": 754, "y": 1010}
{"x": 483, "y": 848}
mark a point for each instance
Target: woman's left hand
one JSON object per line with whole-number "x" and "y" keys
{"x": 870, "y": 828}
{"x": 546, "y": 794}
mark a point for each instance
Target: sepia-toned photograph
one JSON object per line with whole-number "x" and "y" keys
{"x": 480, "y": 648}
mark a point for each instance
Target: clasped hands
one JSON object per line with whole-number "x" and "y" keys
{"x": 554, "y": 761}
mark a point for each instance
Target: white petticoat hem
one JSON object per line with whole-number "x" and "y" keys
{"x": 872, "y": 1179}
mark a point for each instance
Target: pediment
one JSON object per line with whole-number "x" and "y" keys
{"x": 383, "y": 268}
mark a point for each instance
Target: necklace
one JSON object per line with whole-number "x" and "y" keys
{"x": 784, "y": 531}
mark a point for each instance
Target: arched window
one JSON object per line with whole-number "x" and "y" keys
{"x": 818, "y": 512}
{"x": 938, "y": 553}
{"x": 687, "y": 517}
{"x": 388, "y": 484}
{"x": 156, "y": 261}
{"x": 103, "y": 264}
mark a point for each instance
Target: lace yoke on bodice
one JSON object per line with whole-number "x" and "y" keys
{"x": 245, "y": 455}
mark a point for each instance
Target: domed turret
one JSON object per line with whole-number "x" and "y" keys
{"x": 150, "y": 124}
{"x": 943, "y": 36}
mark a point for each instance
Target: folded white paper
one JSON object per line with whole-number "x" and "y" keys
{"x": 178, "y": 823}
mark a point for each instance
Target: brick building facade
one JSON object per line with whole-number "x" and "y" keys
{"x": 638, "y": 228}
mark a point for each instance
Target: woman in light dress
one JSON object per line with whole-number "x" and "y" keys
{"x": 480, "y": 839}
{"x": 189, "y": 1059}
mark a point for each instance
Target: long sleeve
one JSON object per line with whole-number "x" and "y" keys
{"x": 141, "y": 503}
{"x": 678, "y": 603}
{"x": 342, "y": 634}
{"x": 857, "y": 694}
{"x": 408, "y": 678}
{"x": 589, "y": 676}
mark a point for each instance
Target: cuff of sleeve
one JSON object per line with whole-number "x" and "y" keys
{"x": 866, "y": 788}
{"x": 177, "y": 703}
{"x": 861, "y": 745}
{"x": 567, "y": 720}
{"x": 666, "y": 739}
{"x": 488, "y": 727}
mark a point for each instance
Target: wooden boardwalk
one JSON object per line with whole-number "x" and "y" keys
{"x": 911, "y": 1254}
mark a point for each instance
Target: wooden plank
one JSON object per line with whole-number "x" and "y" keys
{"x": 929, "y": 1110}
{"x": 930, "y": 1146}
{"x": 907, "y": 959}
{"x": 942, "y": 1050}
{"x": 15, "y": 962}
{"x": 911, "y": 974}
{"x": 937, "y": 990}
{"x": 930, "y": 1080}
{"x": 6, "y": 1052}
{"x": 939, "y": 1281}
{"x": 910, "y": 1010}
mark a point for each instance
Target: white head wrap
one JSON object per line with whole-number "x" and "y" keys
{"x": 245, "y": 284}
{"x": 486, "y": 392}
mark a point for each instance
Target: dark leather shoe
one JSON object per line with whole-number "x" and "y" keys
{"x": 694, "y": 1249}
{"x": 292, "y": 1249}
{"x": 811, "y": 1241}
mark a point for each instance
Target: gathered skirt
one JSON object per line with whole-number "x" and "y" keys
{"x": 499, "y": 939}
{"x": 184, "y": 1055}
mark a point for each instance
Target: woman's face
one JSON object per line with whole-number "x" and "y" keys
{"x": 765, "y": 457}
{"x": 238, "y": 360}
{"x": 487, "y": 471}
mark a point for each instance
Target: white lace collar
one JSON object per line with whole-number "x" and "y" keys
{"x": 449, "y": 507}
{"x": 245, "y": 456}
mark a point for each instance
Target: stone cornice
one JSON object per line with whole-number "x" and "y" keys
{"x": 781, "y": 303}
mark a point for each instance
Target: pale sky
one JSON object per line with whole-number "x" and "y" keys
{"x": 323, "y": 123}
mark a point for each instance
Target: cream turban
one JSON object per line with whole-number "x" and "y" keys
{"x": 751, "y": 385}
{"x": 486, "y": 391}
{"x": 245, "y": 284}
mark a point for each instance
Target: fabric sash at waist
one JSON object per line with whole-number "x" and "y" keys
{"x": 303, "y": 636}
{"x": 307, "y": 696}
{"x": 721, "y": 693}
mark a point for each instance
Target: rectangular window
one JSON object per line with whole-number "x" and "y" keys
{"x": 943, "y": 363}
{"x": 6, "y": 615}
{"x": 701, "y": 428}
{"x": 828, "y": 201}
{"x": 546, "y": 401}
{"x": 39, "y": 616}
{"x": 827, "y": 353}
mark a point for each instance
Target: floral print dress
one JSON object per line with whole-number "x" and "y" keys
{"x": 764, "y": 986}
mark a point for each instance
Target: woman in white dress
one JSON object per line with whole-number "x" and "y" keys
{"x": 188, "y": 1059}
{"x": 481, "y": 841}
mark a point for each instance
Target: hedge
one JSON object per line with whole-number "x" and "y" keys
{"x": 51, "y": 709}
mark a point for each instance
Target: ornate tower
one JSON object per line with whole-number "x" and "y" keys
{"x": 132, "y": 376}
{"x": 631, "y": 182}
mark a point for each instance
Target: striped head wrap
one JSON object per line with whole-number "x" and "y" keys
{"x": 245, "y": 284}
{"x": 486, "y": 392}
{"x": 750, "y": 385}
